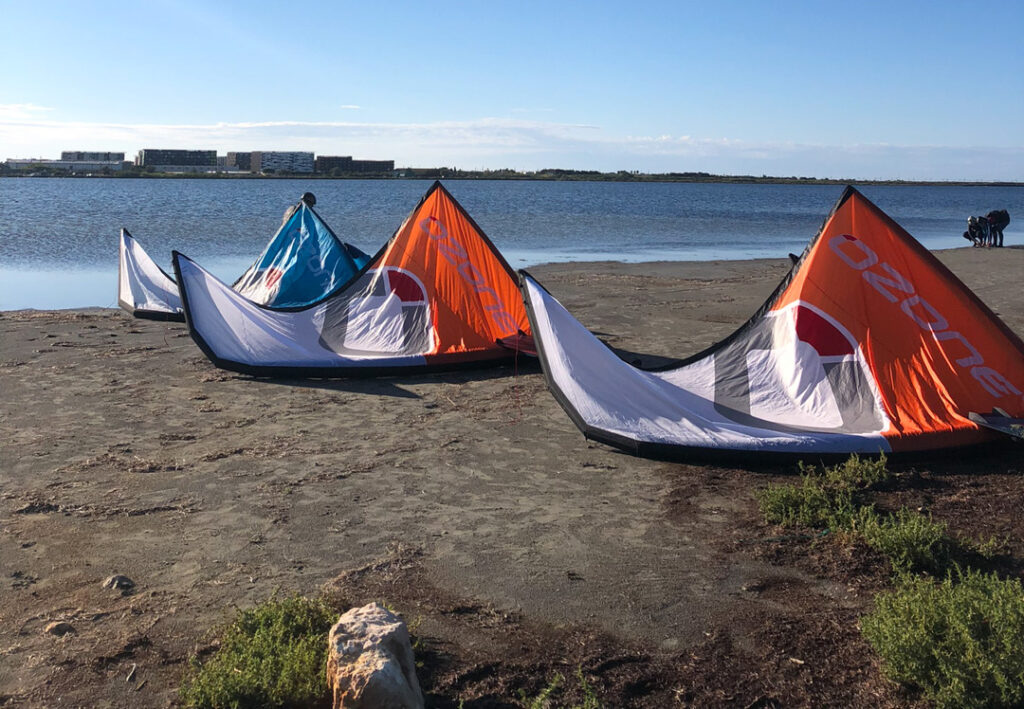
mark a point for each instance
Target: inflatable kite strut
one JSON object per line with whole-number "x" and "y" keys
{"x": 437, "y": 296}
{"x": 868, "y": 345}
{"x": 303, "y": 262}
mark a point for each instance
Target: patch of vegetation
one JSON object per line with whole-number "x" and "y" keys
{"x": 829, "y": 498}
{"x": 910, "y": 541}
{"x": 273, "y": 655}
{"x": 547, "y": 696}
{"x": 836, "y": 499}
{"x": 958, "y": 641}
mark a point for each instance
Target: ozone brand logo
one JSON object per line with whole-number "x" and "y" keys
{"x": 455, "y": 254}
{"x": 896, "y": 288}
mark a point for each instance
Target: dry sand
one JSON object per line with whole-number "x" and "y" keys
{"x": 124, "y": 451}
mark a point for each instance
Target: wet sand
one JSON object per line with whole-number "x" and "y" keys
{"x": 124, "y": 451}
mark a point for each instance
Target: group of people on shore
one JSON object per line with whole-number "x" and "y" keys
{"x": 987, "y": 230}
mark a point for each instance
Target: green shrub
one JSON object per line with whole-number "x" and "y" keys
{"x": 910, "y": 541}
{"x": 809, "y": 503}
{"x": 987, "y": 549}
{"x": 854, "y": 472}
{"x": 959, "y": 641}
{"x": 273, "y": 655}
{"x": 914, "y": 542}
{"x": 835, "y": 498}
{"x": 829, "y": 498}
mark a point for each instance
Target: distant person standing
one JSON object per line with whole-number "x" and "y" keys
{"x": 998, "y": 219}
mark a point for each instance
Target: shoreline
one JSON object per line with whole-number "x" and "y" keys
{"x": 99, "y": 280}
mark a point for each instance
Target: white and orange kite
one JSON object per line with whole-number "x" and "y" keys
{"x": 869, "y": 345}
{"x": 437, "y": 296}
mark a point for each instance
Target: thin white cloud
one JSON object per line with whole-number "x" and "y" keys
{"x": 21, "y": 111}
{"x": 517, "y": 143}
{"x": 349, "y": 107}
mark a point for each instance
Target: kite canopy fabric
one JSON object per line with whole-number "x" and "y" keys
{"x": 869, "y": 345}
{"x": 301, "y": 264}
{"x": 438, "y": 295}
{"x": 143, "y": 288}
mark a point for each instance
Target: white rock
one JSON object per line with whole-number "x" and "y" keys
{"x": 370, "y": 663}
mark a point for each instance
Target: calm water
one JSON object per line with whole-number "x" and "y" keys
{"x": 59, "y": 236}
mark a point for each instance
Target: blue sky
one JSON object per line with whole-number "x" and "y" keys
{"x": 912, "y": 90}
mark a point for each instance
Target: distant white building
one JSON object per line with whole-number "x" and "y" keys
{"x": 69, "y": 165}
{"x": 265, "y": 161}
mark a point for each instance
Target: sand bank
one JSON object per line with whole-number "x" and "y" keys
{"x": 123, "y": 450}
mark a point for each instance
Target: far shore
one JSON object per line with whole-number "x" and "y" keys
{"x": 538, "y": 176}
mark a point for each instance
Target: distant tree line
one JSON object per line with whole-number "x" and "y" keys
{"x": 454, "y": 173}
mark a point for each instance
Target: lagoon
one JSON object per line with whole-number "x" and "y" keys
{"x": 59, "y": 235}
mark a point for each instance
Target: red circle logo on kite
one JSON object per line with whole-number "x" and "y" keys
{"x": 273, "y": 275}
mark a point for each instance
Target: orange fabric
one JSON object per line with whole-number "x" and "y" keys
{"x": 935, "y": 351}
{"x": 473, "y": 297}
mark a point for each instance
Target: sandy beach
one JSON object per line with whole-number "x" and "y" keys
{"x": 123, "y": 450}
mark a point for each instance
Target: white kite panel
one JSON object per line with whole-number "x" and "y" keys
{"x": 142, "y": 286}
{"x": 678, "y": 407}
{"x": 234, "y": 329}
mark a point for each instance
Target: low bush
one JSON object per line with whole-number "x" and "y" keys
{"x": 808, "y": 503}
{"x": 910, "y": 541}
{"x": 855, "y": 472}
{"x": 835, "y": 498}
{"x": 830, "y": 498}
{"x": 273, "y": 655}
{"x": 958, "y": 640}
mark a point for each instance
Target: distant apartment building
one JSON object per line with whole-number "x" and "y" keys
{"x": 326, "y": 163}
{"x": 177, "y": 160}
{"x": 345, "y": 164}
{"x": 86, "y": 156}
{"x": 239, "y": 161}
{"x": 276, "y": 161}
{"x": 373, "y": 166}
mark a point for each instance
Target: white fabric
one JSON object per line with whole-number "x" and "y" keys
{"x": 375, "y": 323}
{"x": 142, "y": 286}
{"x": 238, "y": 330}
{"x": 677, "y": 407}
{"x": 775, "y": 395}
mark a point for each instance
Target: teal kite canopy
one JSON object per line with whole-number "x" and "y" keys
{"x": 301, "y": 264}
